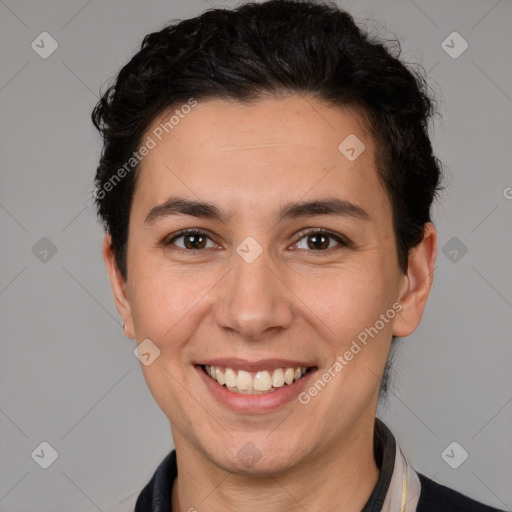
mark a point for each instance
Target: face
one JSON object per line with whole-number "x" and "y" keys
{"x": 290, "y": 262}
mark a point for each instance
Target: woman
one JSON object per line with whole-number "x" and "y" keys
{"x": 265, "y": 186}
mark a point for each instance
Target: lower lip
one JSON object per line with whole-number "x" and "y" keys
{"x": 244, "y": 403}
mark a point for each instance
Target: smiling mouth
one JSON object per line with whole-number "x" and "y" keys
{"x": 255, "y": 383}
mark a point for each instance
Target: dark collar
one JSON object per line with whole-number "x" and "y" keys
{"x": 156, "y": 496}
{"x": 384, "y": 449}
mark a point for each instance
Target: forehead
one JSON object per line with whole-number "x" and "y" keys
{"x": 250, "y": 156}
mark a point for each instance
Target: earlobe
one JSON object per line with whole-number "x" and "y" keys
{"x": 417, "y": 283}
{"x": 118, "y": 285}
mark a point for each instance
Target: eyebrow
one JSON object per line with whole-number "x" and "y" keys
{"x": 330, "y": 206}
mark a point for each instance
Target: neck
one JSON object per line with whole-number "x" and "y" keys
{"x": 342, "y": 477}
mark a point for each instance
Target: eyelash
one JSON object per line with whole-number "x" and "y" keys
{"x": 314, "y": 231}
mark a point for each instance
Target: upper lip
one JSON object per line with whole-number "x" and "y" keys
{"x": 262, "y": 364}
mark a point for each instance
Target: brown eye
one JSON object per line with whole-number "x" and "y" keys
{"x": 320, "y": 240}
{"x": 194, "y": 241}
{"x": 191, "y": 240}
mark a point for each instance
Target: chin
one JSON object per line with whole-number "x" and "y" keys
{"x": 258, "y": 458}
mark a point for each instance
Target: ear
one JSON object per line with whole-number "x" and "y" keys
{"x": 118, "y": 285}
{"x": 416, "y": 283}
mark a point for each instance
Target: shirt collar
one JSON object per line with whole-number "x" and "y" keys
{"x": 384, "y": 449}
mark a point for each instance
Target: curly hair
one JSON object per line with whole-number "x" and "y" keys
{"x": 269, "y": 49}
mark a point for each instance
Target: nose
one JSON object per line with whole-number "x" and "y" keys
{"x": 255, "y": 302}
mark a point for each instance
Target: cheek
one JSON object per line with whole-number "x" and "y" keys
{"x": 163, "y": 312}
{"x": 357, "y": 334}
{"x": 347, "y": 300}
{"x": 161, "y": 300}
{"x": 358, "y": 339}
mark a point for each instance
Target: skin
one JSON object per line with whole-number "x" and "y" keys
{"x": 292, "y": 302}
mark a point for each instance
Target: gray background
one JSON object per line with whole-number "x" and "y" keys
{"x": 68, "y": 375}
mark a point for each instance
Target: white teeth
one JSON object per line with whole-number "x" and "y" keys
{"x": 278, "y": 378}
{"x": 244, "y": 381}
{"x": 262, "y": 382}
{"x": 219, "y": 376}
{"x": 230, "y": 377}
{"x": 289, "y": 375}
